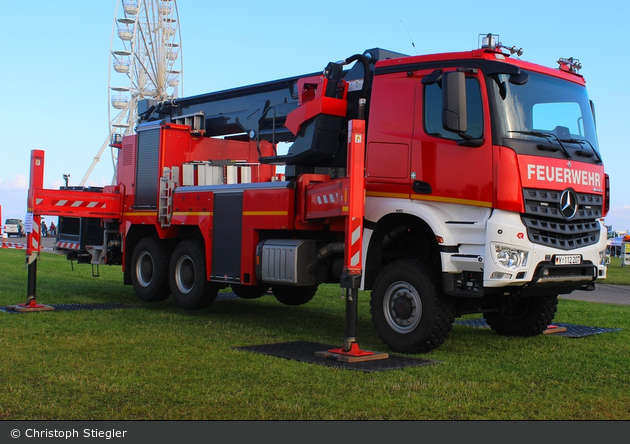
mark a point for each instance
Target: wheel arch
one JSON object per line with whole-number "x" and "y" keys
{"x": 399, "y": 236}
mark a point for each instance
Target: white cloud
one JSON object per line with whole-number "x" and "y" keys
{"x": 18, "y": 183}
{"x": 619, "y": 217}
{"x": 55, "y": 184}
{"x": 620, "y": 212}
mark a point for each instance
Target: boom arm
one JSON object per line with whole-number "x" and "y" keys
{"x": 286, "y": 110}
{"x": 236, "y": 111}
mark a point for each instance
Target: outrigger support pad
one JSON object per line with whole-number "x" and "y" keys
{"x": 31, "y": 300}
{"x": 350, "y": 352}
{"x": 31, "y": 305}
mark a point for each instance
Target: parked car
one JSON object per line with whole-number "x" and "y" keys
{"x": 14, "y": 227}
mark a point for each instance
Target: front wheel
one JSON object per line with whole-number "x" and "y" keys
{"x": 523, "y": 316}
{"x": 187, "y": 270}
{"x": 409, "y": 312}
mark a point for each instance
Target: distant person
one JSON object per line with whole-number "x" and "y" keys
{"x": 52, "y": 229}
{"x": 44, "y": 229}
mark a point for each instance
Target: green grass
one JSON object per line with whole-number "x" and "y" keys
{"x": 616, "y": 274}
{"x": 157, "y": 361}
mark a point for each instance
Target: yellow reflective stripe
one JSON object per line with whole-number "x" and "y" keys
{"x": 383, "y": 194}
{"x": 265, "y": 213}
{"x": 210, "y": 213}
{"x": 477, "y": 203}
{"x": 193, "y": 213}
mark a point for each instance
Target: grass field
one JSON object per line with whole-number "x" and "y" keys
{"x": 156, "y": 361}
{"x": 616, "y": 274}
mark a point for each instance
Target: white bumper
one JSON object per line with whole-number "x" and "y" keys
{"x": 506, "y": 230}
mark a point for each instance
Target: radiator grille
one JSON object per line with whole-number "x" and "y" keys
{"x": 547, "y": 226}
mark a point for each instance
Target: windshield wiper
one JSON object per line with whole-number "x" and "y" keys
{"x": 547, "y": 136}
{"x": 582, "y": 142}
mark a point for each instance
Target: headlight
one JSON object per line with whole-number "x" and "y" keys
{"x": 509, "y": 257}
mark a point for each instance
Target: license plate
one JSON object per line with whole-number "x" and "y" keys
{"x": 569, "y": 259}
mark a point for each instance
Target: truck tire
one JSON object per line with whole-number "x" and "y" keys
{"x": 250, "y": 291}
{"x": 409, "y": 312}
{"x": 188, "y": 280}
{"x": 149, "y": 270}
{"x": 526, "y": 317}
{"x": 290, "y": 295}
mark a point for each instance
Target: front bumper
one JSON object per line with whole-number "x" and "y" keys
{"x": 483, "y": 273}
{"x": 506, "y": 229}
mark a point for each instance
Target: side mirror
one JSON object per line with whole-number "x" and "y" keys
{"x": 454, "y": 112}
{"x": 519, "y": 79}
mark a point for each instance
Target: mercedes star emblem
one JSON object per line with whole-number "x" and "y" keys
{"x": 568, "y": 204}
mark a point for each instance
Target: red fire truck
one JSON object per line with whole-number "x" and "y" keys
{"x": 446, "y": 184}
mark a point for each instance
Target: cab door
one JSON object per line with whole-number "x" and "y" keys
{"x": 391, "y": 123}
{"x": 447, "y": 166}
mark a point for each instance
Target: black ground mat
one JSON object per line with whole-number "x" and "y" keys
{"x": 76, "y": 307}
{"x": 572, "y": 330}
{"x": 305, "y": 352}
{"x": 107, "y": 306}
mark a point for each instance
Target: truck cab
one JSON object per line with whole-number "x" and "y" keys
{"x": 483, "y": 174}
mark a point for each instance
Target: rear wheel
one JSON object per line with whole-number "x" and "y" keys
{"x": 524, "y": 316}
{"x": 187, "y": 271}
{"x": 149, "y": 270}
{"x": 290, "y": 295}
{"x": 409, "y": 312}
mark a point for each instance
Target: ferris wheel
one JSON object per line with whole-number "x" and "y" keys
{"x": 146, "y": 62}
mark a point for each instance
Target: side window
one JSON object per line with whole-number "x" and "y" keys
{"x": 433, "y": 111}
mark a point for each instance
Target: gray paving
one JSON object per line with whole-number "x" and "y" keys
{"x": 603, "y": 293}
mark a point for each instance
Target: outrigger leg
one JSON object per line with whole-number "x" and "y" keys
{"x": 351, "y": 277}
{"x": 33, "y": 239}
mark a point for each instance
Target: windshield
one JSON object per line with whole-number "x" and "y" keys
{"x": 544, "y": 110}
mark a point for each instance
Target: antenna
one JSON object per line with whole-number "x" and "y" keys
{"x": 409, "y": 34}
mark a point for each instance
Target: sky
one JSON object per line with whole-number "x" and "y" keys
{"x": 55, "y": 69}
